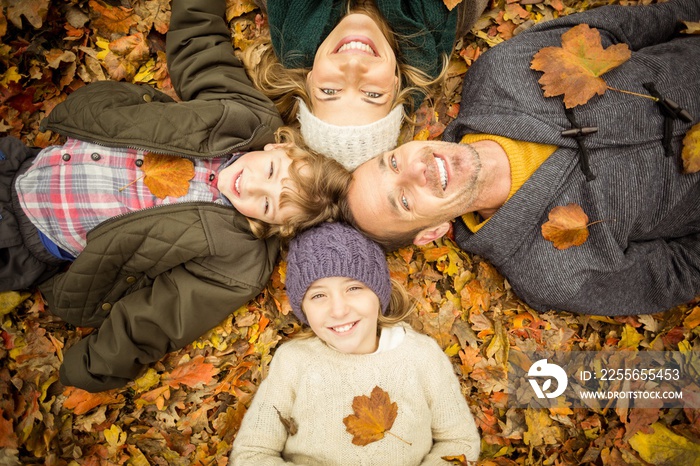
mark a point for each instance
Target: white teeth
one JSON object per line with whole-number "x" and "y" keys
{"x": 237, "y": 184}
{"x": 443, "y": 172}
{"x": 356, "y": 45}
{"x": 343, "y": 328}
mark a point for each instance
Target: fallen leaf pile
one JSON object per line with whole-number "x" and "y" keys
{"x": 186, "y": 409}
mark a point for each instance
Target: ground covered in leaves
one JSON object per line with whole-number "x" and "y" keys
{"x": 186, "y": 409}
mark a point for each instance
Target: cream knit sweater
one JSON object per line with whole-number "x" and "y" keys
{"x": 315, "y": 385}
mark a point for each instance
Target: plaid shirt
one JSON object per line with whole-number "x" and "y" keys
{"x": 70, "y": 189}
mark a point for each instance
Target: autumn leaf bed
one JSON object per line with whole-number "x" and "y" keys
{"x": 186, "y": 409}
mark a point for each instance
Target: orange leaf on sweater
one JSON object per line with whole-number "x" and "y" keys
{"x": 373, "y": 417}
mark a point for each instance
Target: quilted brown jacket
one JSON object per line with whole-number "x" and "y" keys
{"x": 153, "y": 281}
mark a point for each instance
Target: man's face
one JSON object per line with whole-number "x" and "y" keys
{"x": 420, "y": 185}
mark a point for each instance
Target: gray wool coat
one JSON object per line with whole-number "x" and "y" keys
{"x": 644, "y": 257}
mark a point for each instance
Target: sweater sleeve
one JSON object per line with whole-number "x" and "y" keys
{"x": 453, "y": 426}
{"x": 262, "y": 436}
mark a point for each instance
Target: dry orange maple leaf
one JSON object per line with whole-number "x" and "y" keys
{"x": 82, "y": 401}
{"x": 191, "y": 373}
{"x": 691, "y": 150}
{"x": 567, "y": 226}
{"x": 374, "y": 416}
{"x": 574, "y": 69}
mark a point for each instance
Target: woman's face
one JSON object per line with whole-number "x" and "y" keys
{"x": 353, "y": 80}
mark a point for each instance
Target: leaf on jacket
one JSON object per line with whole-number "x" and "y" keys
{"x": 167, "y": 175}
{"x": 691, "y": 150}
{"x": 450, "y": 4}
{"x": 373, "y": 417}
{"x": 290, "y": 425}
{"x": 574, "y": 69}
{"x": 691, "y": 27}
{"x": 567, "y": 226}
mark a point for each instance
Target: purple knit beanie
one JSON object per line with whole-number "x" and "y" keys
{"x": 335, "y": 250}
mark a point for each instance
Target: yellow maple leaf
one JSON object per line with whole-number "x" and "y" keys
{"x": 665, "y": 448}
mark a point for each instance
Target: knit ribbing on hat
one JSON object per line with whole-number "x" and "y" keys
{"x": 350, "y": 145}
{"x": 335, "y": 250}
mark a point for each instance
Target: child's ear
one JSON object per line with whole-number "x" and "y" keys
{"x": 273, "y": 146}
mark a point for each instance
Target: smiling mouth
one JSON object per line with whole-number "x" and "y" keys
{"x": 237, "y": 184}
{"x": 344, "y": 328}
{"x": 442, "y": 170}
{"x": 352, "y": 44}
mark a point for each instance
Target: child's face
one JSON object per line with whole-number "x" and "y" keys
{"x": 254, "y": 182}
{"x": 343, "y": 313}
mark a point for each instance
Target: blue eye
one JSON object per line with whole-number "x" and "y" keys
{"x": 373, "y": 95}
{"x": 392, "y": 161}
{"x": 404, "y": 202}
{"x": 329, "y": 91}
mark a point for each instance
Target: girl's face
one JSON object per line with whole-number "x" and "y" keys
{"x": 254, "y": 182}
{"x": 343, "y": 312}
{"x": 353, "y": 80}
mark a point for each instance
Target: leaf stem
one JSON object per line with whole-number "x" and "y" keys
{"x": 633, "y": 93}
{"x": 404, "y": 441}
{"x": 126, "y": 186}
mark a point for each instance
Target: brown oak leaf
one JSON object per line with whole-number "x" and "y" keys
{"x": 373, "y": 417}
{"x": 166, "y": 175}
{"x": 574, "y": 69}
{"x": 567, "y": 226}
{"x": 111, "y": 20}
{"x": 290, "y": 425}
{"x": 691, "y": 150}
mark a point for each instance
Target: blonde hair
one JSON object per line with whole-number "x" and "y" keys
{"x": 285, "y": 85}
{"x": 315, "y": 186}
{"x": 401, "y": 305}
